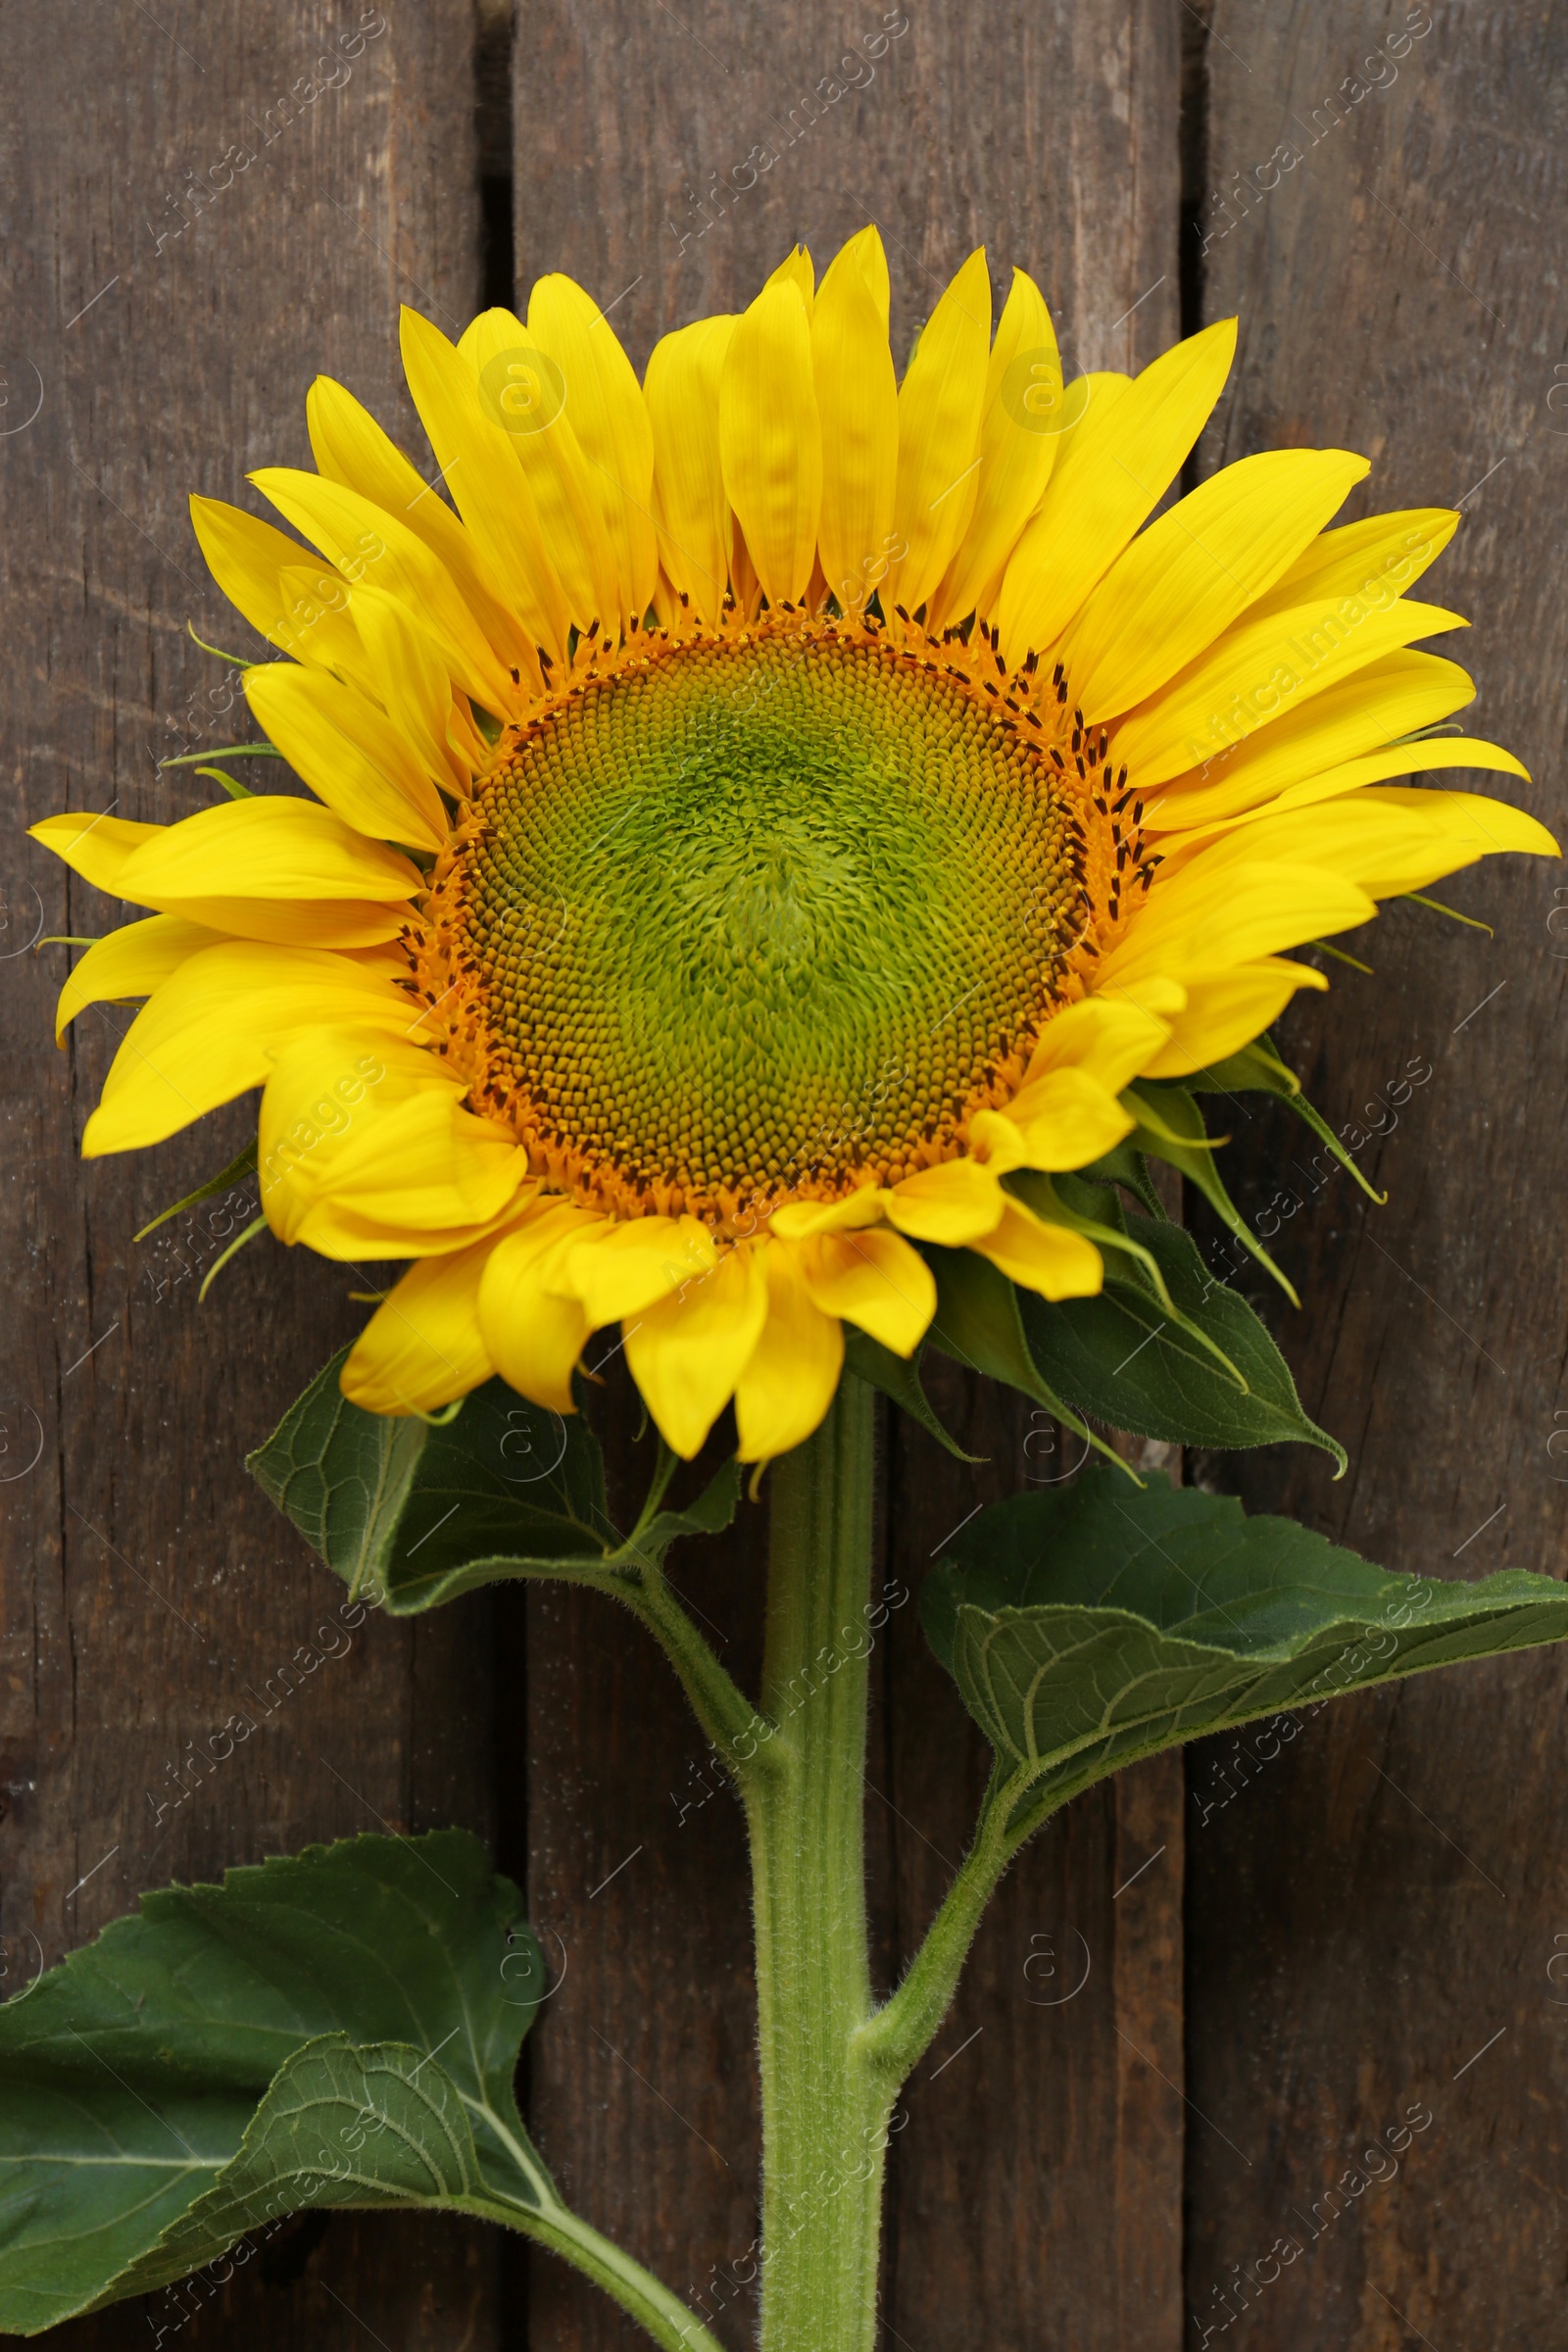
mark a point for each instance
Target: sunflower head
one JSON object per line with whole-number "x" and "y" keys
{"x": 771, "y": 822}
{"x": 766, "y": 912}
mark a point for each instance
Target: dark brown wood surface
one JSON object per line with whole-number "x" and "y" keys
{"x": 166, "y": 339}
{"x": 1199, "y": 1997}
{"x": 1382, "y": 1900}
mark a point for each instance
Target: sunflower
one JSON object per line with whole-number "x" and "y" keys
{"x": 766, "y": 822}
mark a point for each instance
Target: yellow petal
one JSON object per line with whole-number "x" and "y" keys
{"x": 209, "y": 1030}
{"x": 1225, "y": 1010}
{"x": 422, "y": 1347}
{"x": 609, "y": 416}
{"x": 1185, "y": 578}
{"x": 289, "y": 595}
{"x": 863, "y": 255}
{"x": 274, "y": 868}
{"x": 372, "y": 1154}
{"x": 1067, "y": 1118}
{"x": 939, "y": 435}
{"x": 1256, "y": 672}
{"x": 414, "y": 691}
{"x": 796, "y": 269}
{"x": 797, "y": 1219}
{"x": 858, "y": 397}
{"x": 523, "y": 394}
{"x": 1352, "y": 775}
{"x": 349, "y": 752}
{"x": 996, "y": 1143}
{"x": 370, "y": 546}
{"x": 682, "y": 394}
{"x": 1114, "y": 1038}
{"x": 103, "y": 850}
{"x": 130, "y": 963}
{"x": 1233, "y": 910}
{"x": 1043, "y": 1257}
{"x": 1373, "y": 707}
{"x": 1021, "y": 433}
{"x": 1385, "y": 838}
{"x": 770, "y": 438}
{"x": 687, "y": 1352}
{"x": 534, "y": 1335}
{"x": 788, "y": 1382}
{"x": 952, "y": 1204}
{"x": 492, "y": 491}
{"x": 874, "y": 1280}
{"x": 1376, "y": 560}
{"x": 1119, "y": 461}
{"x": 350, "y": 448}
{"x": 97, "y": 847}
{"x": 623, "y": 1267}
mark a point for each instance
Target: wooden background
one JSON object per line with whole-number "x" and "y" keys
{"x": 1208, "y": 1988}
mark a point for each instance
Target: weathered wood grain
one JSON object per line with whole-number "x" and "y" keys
{"x": 189, "y": 237}
{"x": 1372, "y": 1908}
{"x": 1036, "y": 2191}
{"x": 1016, "y": 2216}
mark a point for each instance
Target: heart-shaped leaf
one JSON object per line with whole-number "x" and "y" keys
{"x": 419, "y": 1511}
{"x": 341, "y": 2124}
{"x": 1093, "y": 1625}
{"x": 340, "y": 2027}
{"x": 147, "y": 2086}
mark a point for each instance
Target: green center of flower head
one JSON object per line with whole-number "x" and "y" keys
{"x": 759, "y": 914}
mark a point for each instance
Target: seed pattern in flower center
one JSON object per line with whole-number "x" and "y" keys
{"x": 770, "y": 913}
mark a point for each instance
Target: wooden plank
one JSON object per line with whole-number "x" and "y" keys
{"x": 208, "y": 205}
{"x": 1378, "y": 1905}
{"x": 667, "y": 159}
{"x": 1037, "y": 2189}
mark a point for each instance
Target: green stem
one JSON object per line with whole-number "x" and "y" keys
{"x": 826, "y": 2108}
{"x": 664, "y": 2316}
{"x": 733, "y": 1725}
{"x": 894, "y": 2041}
{"x": 831, "y": 2061}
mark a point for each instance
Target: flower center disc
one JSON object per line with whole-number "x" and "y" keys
{"x": 759, "y": 915}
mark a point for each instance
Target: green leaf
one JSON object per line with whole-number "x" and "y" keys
{"x": 235, "y": 790}
{"x": 899, "y": 1376}
{"x": 978, "y": 1323}
{"x": 1096, "y": 1212}
{"x": 1092, "y": 1626}
{"x": 1121, "y": 1358}
{"x": 225, "y": 751}
{"x": 184, "y": 2076}
{"x": 341, "y": 2124}
{"x": 419, "y": 1511}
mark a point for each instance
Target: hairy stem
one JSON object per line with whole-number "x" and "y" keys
{"x": 824, "y": 2109}
{"x": 832, "y": 2062}
{"x": 894, "y": 2041}
{"x": 663, "y": 2315}
{"x": 738, "y": 1732}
